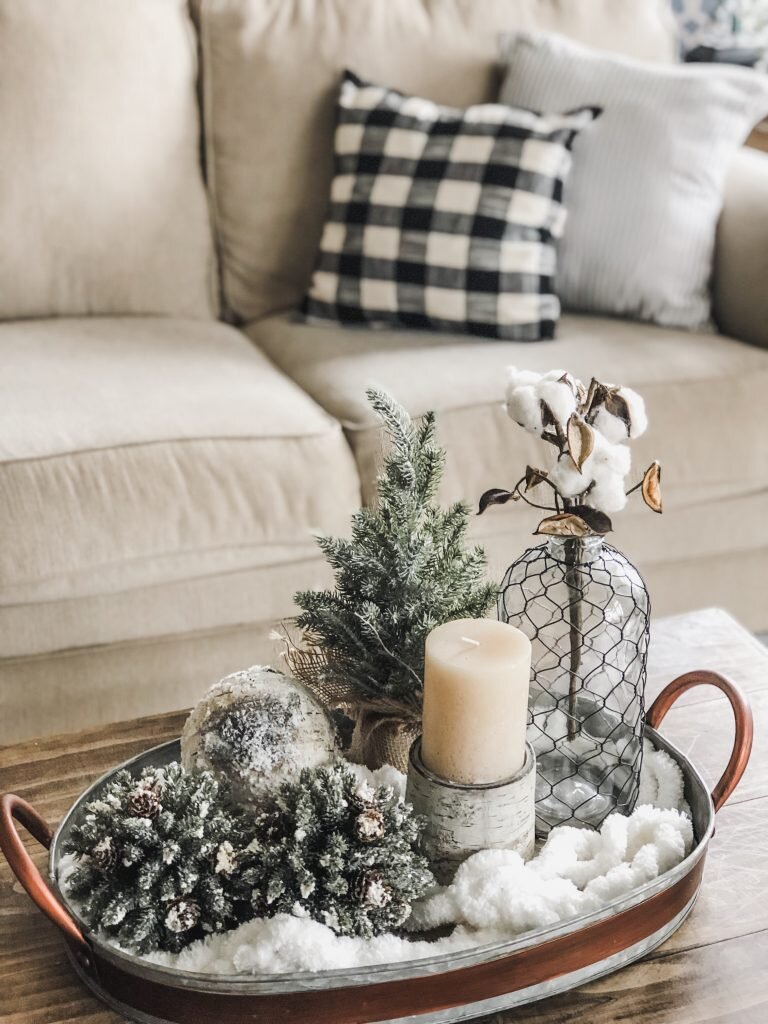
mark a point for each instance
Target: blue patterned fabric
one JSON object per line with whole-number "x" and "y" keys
{"x": 721, "y": 23}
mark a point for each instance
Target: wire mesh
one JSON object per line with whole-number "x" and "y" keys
{"x": 586, "y": 610}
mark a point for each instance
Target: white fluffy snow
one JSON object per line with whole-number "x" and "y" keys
{"x": 495, "y": 895}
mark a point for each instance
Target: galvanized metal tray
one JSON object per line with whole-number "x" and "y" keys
{"x": 445, "y": 988}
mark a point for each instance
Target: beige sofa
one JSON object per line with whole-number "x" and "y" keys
{"x": 167, "y": 449}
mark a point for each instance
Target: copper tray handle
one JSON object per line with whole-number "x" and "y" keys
{"x": 742, "y": 713}
{"x": 26, "y": 871}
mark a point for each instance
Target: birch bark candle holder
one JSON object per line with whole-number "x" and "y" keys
{"x": 462, "y": 818}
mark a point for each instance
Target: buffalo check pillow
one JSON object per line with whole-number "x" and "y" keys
{"x": 443, "y": 219}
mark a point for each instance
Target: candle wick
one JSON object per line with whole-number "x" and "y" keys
{"x": 468, "y": 640}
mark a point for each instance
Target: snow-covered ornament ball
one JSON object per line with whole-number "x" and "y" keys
{"x": 256, "y": 729}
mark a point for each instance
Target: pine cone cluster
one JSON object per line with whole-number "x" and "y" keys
{"x": 339, "y": 852}
{"x": 157, "y": 859}
{"x": 164, "y": 860}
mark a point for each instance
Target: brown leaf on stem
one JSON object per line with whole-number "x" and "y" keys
{"x": 581, "y": 441}
{"x": 556, "y": 436}
{"x": 495, "y": 496}
{"x": 651, "y": 487}
{"x": 597, "y": 521}
{"x": 534, "y": 477}
{"x": 564, "y": 524}
{"x": 594, "y": 398}
{"x": 547, "y": 416}
{"x": 617, "y": 406}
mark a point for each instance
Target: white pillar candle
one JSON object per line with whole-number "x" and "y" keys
{"x": 476, "y": 676}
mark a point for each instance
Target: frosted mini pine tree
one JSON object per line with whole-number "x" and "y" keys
{"x": 405, "y": 570}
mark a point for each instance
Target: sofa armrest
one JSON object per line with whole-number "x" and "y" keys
{"x": 740, "y": 285}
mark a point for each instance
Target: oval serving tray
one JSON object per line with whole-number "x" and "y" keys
{"x": 436, "y": 990}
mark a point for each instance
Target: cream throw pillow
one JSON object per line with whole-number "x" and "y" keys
{"x": 102, "y": 204}
{"x": 645, "y": 192}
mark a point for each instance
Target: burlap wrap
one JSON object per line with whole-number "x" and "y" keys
{"x": 380, "y": 738}
{"x": 384, "y": 730}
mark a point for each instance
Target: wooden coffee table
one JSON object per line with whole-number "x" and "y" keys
{"x": 712, "y": 970}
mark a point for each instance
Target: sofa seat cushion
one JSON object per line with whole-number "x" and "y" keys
{"x": 139, "y": 453}
{"x": 704, "y": 394}
{"x": 270, "y": 155}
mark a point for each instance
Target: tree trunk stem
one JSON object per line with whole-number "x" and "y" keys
{"x": 575, "y": 622}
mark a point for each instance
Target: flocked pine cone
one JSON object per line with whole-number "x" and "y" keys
{"x": 369, "y": 825}
{"x": 144, "y": 802}
{"x": 104, "y": 854}
{"x": 339, "y": 852}
{"x": 371, "y": 890}
{"x": 182, "y": 915}
{"x": 158, "y": 860}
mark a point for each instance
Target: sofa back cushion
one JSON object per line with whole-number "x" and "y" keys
{"x": 271, "y": 72}
{"x": 102, "y": 203}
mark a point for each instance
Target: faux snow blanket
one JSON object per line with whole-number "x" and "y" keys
{"x": 495, "y": 895}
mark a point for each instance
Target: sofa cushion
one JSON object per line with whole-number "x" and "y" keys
{"x": 443, "y": 219}
{"x": 138, "y": 452}
{"x": 646, "y": 188}
{"x": 704, "y": 394}
{"x": 102, "y": 204}
{"x": 271, "y": 70}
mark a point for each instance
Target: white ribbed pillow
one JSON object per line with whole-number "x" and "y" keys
{"x": 645, "y": 190}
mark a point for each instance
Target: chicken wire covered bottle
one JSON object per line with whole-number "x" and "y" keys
{"x": 586, "y": 610}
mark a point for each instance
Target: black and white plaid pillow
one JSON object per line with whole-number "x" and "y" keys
{"x": 443, "y": 219}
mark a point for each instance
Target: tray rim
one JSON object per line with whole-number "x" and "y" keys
{"x": 392, "y": 971}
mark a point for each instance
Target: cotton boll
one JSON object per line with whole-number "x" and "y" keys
{"x": 606, "y": 467}
{"x": 555, "y": 375}
{"x": 608, "y": 494}
{"x": 609, "y": 465}
{"x": 524, "y": 408}
{"x": 637, "y": 415}
{"x": 521, "y": 378}
{"x": 611, "y": 427}
{"x": 560, "y": 399}
{"x": 568, "y": 480}
{"x": 606, "y": 455}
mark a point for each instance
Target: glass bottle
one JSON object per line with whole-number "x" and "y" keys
{"x": 586, "y": 610}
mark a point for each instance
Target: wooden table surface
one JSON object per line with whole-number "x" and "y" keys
{"x": 713, "y": 970}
